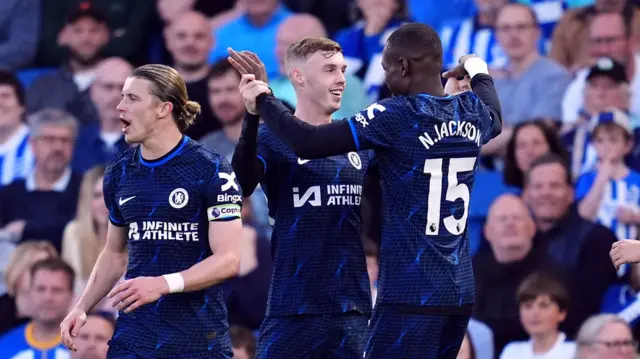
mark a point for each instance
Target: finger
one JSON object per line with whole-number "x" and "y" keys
{"x": 237, "y": 66}
{"x": 77, "y": 324}
{"x": 246, "y": 79}
{"x": 67, "y": 340}
{"x": 118, "y": 288}
{"x": 137, "y": 304}
{"x": 253, "y": 60}
{"x": 128, "y": 301}
{"x": 240, "y": 59}
{"x": 122, "y": 296}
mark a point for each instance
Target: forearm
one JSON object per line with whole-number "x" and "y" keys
{"x": 109, "y": 268}
{"x": 248, "y": 168}
{"x": 307, "y": 141}
{"x": 482, "y": 85}
{"x": 589, "y": 205}
{"x": 211, "y": 271}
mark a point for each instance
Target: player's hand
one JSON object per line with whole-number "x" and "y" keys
{"x": 134, "y": 293}
{"x": 70, "y": 327}
{"x": 246, "y": 62}
{"x": 250, "y": 89}
{"x": 455, "y": 86}
{"x": 625, "y": 251}
{"x": 460, "y": 70}
{"x": 625, "y": 215}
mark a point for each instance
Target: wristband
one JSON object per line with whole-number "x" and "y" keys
{"x": 476, "y": 65}
{"x": 175, "y": 282}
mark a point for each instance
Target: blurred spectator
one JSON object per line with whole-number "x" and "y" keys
{"x": 16, "y": 157}
{"x": 510, "y": 232}
{"x": 247, "y": 301}
{"x": 98, "y": 141}
{"x": 518, "y": 32}
{"x": 372, "y": 252}
{"x": 85, "y": 236}
{"x": 439, "y": 13}
{"x": 243, "y": 342}
{"x": 544, "y": 303}
{"x": 579, "y": 246}
{"x": 334, "y": 14}
{"x": 296, "y": 27}
{"x": 610, "y": 193}
{"x": 529, "y": 141}
{"x": 51, "y": 293}
{"x": 474, "y": 35}
{"x": 466, "y": 349}
{"x": 575, "y": 38}
{"x": 610, "y": 37}
{"x": 481, "y": 338}
{"x": 255, "y": 31}
{"x": 15, "y": 306}
{"x": 40, "y": 205}
{"x": 19, "y": 26}
{"x": 93, "y": 340}
{"x": 363, "y": 42}
{"x": 65, "y": 88}
{"x": 189, "y": 41}
{"x": 549, "y": 12}
{"x": 223, "y": 17}
{"x": 606, "y": 88}
{"x": 129, "y": 22}
{"x": 605, "y": 336}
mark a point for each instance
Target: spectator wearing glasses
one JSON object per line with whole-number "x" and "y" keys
{"x": 605, "y": 336}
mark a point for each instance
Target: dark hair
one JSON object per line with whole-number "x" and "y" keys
{"x": 168, "y": 86}
{"x": 88, "y": 12}
{"x": 54, "y": 265}
{"x": 104, "y": 315}
{"x": 419, "y": 40}
{"x": 610, "y": 127}
{"x": 243, "y": 338}
{"x": 539, "y": 284}
{"x": 220, "y": 68}
{"x": 550, "y": 159}
{"x": 310, "y": 45}
{"x": 401, "y": 14}
{"x": 8, "y": 78}
{"x": 512, "y": 175}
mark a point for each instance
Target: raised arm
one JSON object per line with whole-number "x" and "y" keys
{"x": 248, "y": 167}
{"x": 482, "y": 86}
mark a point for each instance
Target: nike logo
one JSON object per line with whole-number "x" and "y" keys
{"x": 123, "y": 201}
{"x": 301, "y": 161}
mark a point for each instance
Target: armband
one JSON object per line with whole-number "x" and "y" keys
{"x": 175, "y": 282}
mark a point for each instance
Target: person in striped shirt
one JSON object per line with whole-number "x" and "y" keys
{"x": 16, "y": 158}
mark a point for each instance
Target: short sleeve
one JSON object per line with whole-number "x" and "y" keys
{"x": 222, "y": 194}
{"x": 378, "y": 125}
{"x": 584, "y": 184}
{"x": 109, "y": 186}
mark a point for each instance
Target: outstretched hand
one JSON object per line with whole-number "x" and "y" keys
{"x": 250, "y": 89}
{"x": 459, "y": 71}
{"x": 246, "y": 62}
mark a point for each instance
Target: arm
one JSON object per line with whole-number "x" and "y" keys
{"x": 248, "y": 167}
{"x": 306, "y": 140}
{"x": 23, "y": 33}
{"x": 590, "y": 195}
{"x": 482, "y": 86}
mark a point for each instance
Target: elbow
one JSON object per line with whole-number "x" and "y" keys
{"x": 232, "y": 264}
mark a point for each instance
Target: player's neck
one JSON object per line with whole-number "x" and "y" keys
{"x": 311, "y": 114}
{"x": 45, "y": 180}
{"x": 6, "y": 132}
{"x": 519, "y": 66}
{"x": 160, "y": 144}
{"x": 542, "y": 343}
{"x": 45, "y": 332}
{"x": 430, "y": 86}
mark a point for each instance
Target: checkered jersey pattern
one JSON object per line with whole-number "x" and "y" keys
{"x": 426, "y": 148}
{"x": 167, "y": 205}
{"x": 319, "y": 263}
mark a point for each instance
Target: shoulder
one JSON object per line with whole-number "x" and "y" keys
{"x": 567, "y": 347}
{"x": 13, "y": 337}
{"x": 514, "y": 350}
{"x": 349, "y": 33}
{"x": 16, "y": 186}
{"x": 202, "y": 154}
{"x": 121, "y": 158}
{"x": 634, "y": 177}
{"x": 552, "y": 68}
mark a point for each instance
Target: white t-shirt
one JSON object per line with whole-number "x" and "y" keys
{"x": 524, "y": 350}
{"x": 574, "y": 96}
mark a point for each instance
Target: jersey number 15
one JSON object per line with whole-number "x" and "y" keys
{"x": 455, "y": 190}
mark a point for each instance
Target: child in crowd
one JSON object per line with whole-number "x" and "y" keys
{"x": 544, "y": 303}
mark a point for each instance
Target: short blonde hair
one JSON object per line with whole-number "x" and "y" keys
{"x": 22, "y": 259}
{"x": 302, "y": 49}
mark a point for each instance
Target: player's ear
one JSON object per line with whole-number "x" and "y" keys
{"x": 404, "y": 66}
{"x": 164, "y": 109}
{"x": 296, "y": 77}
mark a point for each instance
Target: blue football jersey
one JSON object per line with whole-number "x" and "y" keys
{"x": 426, "y": 149}
{"x": 319, "y": 263}
{"x": 167, "y": 205}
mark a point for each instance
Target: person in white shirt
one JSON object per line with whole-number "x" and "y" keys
{"x": 544, "y": 302}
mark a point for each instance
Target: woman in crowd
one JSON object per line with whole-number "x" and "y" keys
{"x": 529, "y": 141}
{"x": 15, "y": 305}
{"x": 84, "y": 237}
{"x": 605, "y": 336}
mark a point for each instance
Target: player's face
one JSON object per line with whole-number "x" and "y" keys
{"x": 517, "y": 33}
{"x": 51, "y": 296}
{"x": 530, "y": 144}
{"x": 547, "y": 192}
{"x": 138, "y": 110}
{"x": 611, "y": 144}
{"x": 324, "y": 80}
{"x": 86, "y": 38}
{"x": 541, "y": 316}
{"x": 224, "y": 98}
{"x": 99, "y": 211}
{"x": 10, "y": 109}
{"x": 393, "y": 73}
{"x": 53, "y": 147}
{"x": 615, "y": 341}
{"x": 92, "y": 342}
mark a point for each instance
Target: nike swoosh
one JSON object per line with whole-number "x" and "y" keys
{"x": 301, "y": 161}
{"x": 123, "y": 201}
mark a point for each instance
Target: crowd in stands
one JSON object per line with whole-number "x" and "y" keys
{"x": 554, "y": 191}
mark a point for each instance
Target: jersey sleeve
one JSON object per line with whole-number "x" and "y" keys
{"x": 264, "y": 146}
{"x": 109, "y": 185}
{"x": 222, "y": 194}
{"x": 378, "y": 125}
{"x": 584, "y": 184}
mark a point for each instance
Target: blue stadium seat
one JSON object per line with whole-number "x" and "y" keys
{"x": 27, "y": 76}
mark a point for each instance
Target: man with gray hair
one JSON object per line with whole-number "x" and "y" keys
{"x": 605, "y": 336}
{"x": 39, "y": 206}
